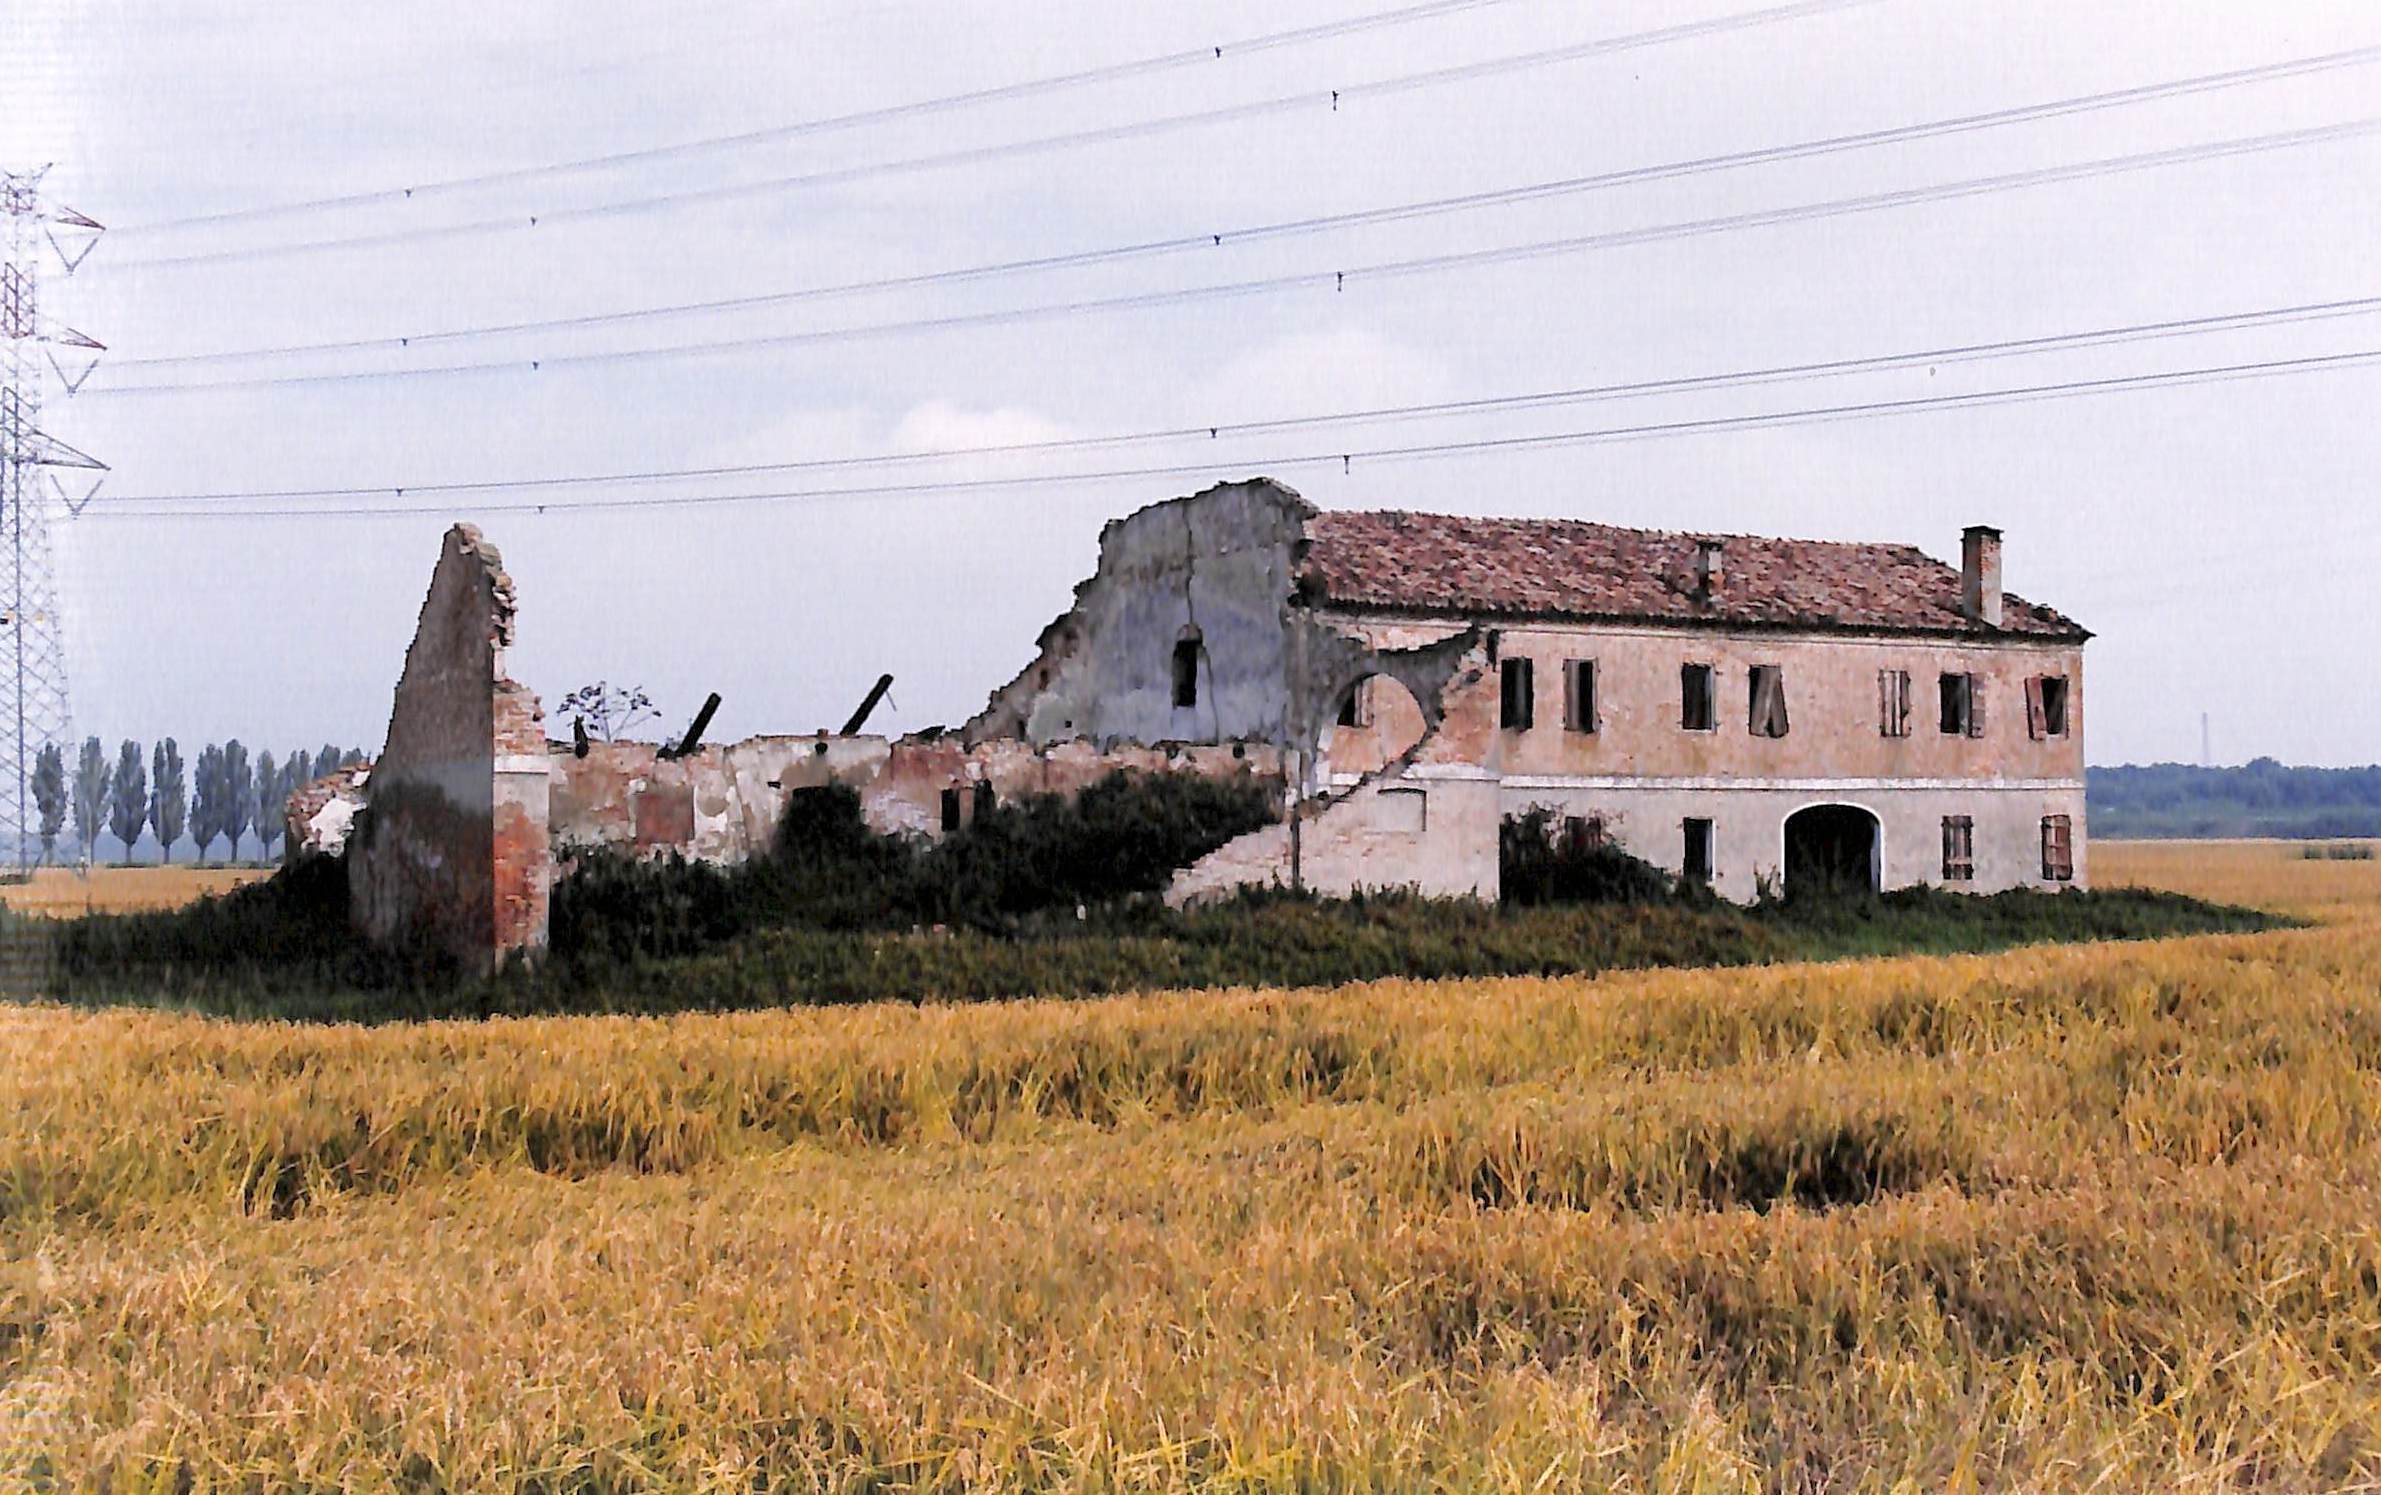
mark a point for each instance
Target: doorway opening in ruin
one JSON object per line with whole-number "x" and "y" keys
{"x": 1833, "y": 851}
{"x": 1377, "y": 721}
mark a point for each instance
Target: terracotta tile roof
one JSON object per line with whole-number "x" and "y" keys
{"x": 1448, "y": 563}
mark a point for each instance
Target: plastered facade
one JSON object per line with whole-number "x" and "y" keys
{"x": 1641, "y": 775}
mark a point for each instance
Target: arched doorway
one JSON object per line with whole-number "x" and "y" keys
{"x": 1833, "y": 851}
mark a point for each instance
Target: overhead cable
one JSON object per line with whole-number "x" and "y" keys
{"x": 1497, "y": 197}
{"x": 1343, "y": 459}
{"x": 1329, "y": 279}
{"x": 1482, "y": 405}
{"x": 1316, "y": 98}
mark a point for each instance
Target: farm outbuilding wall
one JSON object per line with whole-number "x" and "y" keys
{"x": 452, "y": 848}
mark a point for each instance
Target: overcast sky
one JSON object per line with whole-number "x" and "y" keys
{"x": 2221, "y": 538}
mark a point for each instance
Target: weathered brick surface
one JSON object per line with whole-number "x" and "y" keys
{"x": 722, "y": 804}
{"x": 452, "y": 847}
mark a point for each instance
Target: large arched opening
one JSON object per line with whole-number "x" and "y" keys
{"x": 1833, "y": 851}
{"x": 1375, "y": 722}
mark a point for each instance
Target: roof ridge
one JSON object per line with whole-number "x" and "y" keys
{"x": 1520, "y": 566}
{"x": 1626, "y": 529}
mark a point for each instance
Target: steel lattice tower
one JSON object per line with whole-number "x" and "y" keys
{"x": 35, "y": 709}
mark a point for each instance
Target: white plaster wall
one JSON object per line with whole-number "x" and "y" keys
{"x": 1748, "y": 824}
{"x": 1363, "y": 843}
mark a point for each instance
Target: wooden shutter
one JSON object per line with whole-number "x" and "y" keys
{"x": 2037, "y": 720}
{"x": 1579, "y": 695}
{"x": 1975, "y": 705}
{"x": 2058, "y": 848}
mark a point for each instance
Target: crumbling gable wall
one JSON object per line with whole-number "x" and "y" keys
{"x": 1218, "y": 573}
{"x": 1214, "y": 571}
{"x": 452, "y": 848}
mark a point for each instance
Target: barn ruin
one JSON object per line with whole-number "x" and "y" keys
{"x": 1740, "y": 710}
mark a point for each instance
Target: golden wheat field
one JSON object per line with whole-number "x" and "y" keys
{"x": 2077, "y": 1218}
{"x": 59, "y": 892}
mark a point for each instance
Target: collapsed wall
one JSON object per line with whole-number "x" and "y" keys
{"x": 451, "y": 849}
{"x": 1424, "y": 821}
{"x": 1190, "y": 649}
{"x": 723, "y": 804}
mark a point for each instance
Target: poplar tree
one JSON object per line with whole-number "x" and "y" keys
{"x": 168, "y": 805}
{"x": 128, "y": 796}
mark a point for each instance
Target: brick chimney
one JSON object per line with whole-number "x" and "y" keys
{"x": 1980, "y": 575}
{"x": 1709, "y": 569}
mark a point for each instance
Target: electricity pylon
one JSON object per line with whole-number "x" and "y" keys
{"x": 35, "y": 710}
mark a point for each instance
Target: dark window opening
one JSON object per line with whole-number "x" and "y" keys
{"x": 2058, "y": 848}
{"x": 1765, "y": 713}
{"x": 986, "y": 798}
{"x": 1186, "y": 671}
{"x": 1962, "y": 716}
{"x": 1355, "y": 708}
{"x": 1579, "y": 695}
{"x": 1516, "y": 705}
{"x": 1959, "y": 848}
{"x": 1698, "y": 698}
{"x": 1893, "y": 702}
{"x": 950, "y": 808}
{"x": 1698, "y": 850}
{"x": 2046, "y": 705}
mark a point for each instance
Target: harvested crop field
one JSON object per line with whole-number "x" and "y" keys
{"x": 2063, "y": 1217}
{"x": 59, "y": 892}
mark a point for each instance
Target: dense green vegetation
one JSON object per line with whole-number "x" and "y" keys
{"x": 2260, "y": 798}
{"x": 1040, "y": 897}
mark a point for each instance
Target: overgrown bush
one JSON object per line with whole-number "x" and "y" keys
{"x": 1042, "y": 897}
{"x": 1539, "y": 863}
{"x": 286, "y": 934}
{"x": 1124, "y": 835}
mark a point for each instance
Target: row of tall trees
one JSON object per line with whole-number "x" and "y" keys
{"x": 226, "y": 797}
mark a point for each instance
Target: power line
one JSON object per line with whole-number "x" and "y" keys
{"x": 1499, "y": 197}
{"x": 2022, "y": 394}
{"x": 1216, "y": 431}
{"x": 976, "y": 155}
{"x": 36, "y": 705}
{"x": 883, "y": 114}
{"x": 1335, "y": 279}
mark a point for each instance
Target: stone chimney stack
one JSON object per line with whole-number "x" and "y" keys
{"x": 1980, "y": 575}
{"x": 1709, "y": 569}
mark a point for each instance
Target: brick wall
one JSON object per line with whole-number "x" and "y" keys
{"x": 452, "y": 848}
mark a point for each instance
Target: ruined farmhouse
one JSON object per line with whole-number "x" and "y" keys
{"x": 1744, "y": 711}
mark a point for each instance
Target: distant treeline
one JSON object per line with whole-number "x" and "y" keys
{"x": 225, "y": 796}
{"x": 2259, "y": 798}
